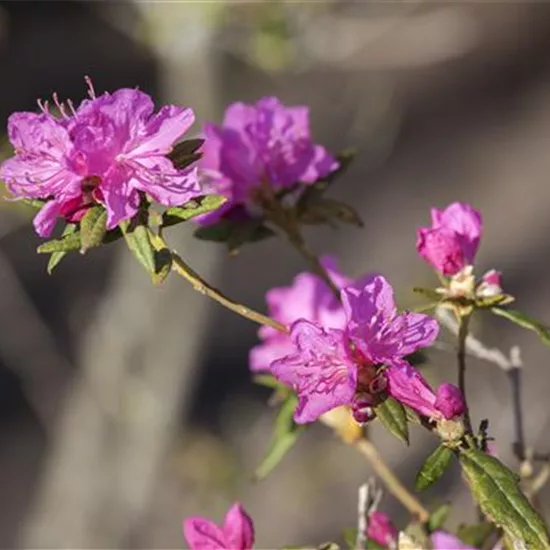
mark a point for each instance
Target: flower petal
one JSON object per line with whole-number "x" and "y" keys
{"x": 320, "y": 370}
{"x": 446, "y": 541}
{"x": 238, "y": 528}
{"x": 202, "y": 534}
{"x": 45, "y": 220}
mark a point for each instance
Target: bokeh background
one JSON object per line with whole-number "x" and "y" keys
{"x": 124, "y": 407}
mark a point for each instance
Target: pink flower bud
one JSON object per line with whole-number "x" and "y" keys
{"x": 381, "y": 530}
{"x": 452, "y": 241}
{"x": 449, "y": 401}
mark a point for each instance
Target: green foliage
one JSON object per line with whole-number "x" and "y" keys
{"x": 285, "y": 435}
{"x": 495, "y": 488}
{"x": 434, "y": 467}
{"x": 185, "y": 153}
{"x": 393, "y": 416}
{"x": 477, "y": 534}
{"x": 192, "y": 209}
{"x": 136, "y": 235}
{"x": 438, "y": 517}
{"x": 525, "y": 322}
{"x": 93, "y": 228}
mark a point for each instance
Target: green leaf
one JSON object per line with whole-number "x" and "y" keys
{"x": 492, "y": 301}
{"x": 163, "y": 266}
{"x": 371, "y": 545}
{"x": 430, "y": 293}
{"x": 328, "y": 546}
{"x": 136, "y": 234}
{"x": 344, "y": 158}
{"x": 268, "y": 381}
{"x": 234, "y": 233}
{"x": 184, "y": 153}
{"x": 438, "y": 517}
{"x": 475, "y": 535}
{"x": 326, "y": 210}
{"x": 195, "y": 207}
{"x": 56, "y": 257}
{"x": 284, "y": 437}
{"x": 496, "y": 490}
{"x": 33, "y": 203}
{"x": 350, "y": 537}
{"x": 392, "y": 414}
{"x": 524, "y": 321}
{"x": 93, "y": 228}
{"x": 65, "y": 244}
{"x": 433, "y": 468}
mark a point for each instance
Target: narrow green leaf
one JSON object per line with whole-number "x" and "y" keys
{"x": 524, "y": 321}
{"x": 137, "y": 238}
{"x": 185, "y": 153}
{"x": 163, "y": 266}
{"x": 430, "y": 293}
{"x": 194, "y": 208}
{"x": 56, "y": 257}
{"x": 328, "y": 546}
{"x": 268, "y": 381}
{"x": 392, "y": 414}
{"x": 492, "y": 301}
{"x": 33, "y": 203}
{"x": 475, "y": 535}
{"x": 93, "y": 228}
{"x": 234, "y": 233}
{"x": 345, "y": 159}
{"x": 438, "y": 517}
{"x": 433, "y": 468}
{"x": 284, "y": 437}
{"x": 324, "y": 210}
{"x": 496, "y": 490}
{"x": 350, "y": 537}
{"x": 65, "y": 244}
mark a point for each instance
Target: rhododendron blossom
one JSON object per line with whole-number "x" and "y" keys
{"x": 452, "y": 242}
{"x": 354, "y": 366}
{"x": 308, "y": 298}
{"x": 259, "y": 149}
{"x": 237, "y": 532}
{"x": 107, "y": 151}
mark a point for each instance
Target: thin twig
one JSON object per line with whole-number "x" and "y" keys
{"x": 392, "y": 482}
{"x": 461, "y": 359}
{"x": 367, "y": 503}
{"x": 200, "y": 285}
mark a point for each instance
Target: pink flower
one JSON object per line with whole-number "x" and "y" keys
{"x": 237, "y": 532}
{"x": 331, "y": 367}
{"x": 307, "y": 298}
{"x": 107, "y": 151}
{"x": 408, "y": 386}
{"x": 321, "y": 370}
{"x": 445, "y": 541}
{"x": 452, "y": 242}
{"x": 263, "y": 144}
{"x": 490, "y": 284}
{"x": 381, "y": 530}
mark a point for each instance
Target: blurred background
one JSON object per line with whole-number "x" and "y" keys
{"x": 124, "y": 407}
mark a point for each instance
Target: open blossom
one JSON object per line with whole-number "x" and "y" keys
{"x": 107, "y": 151}
{"x": 266, "y": 144}
{"x": 452, "y": 242}
{"x": 307, "y": 298}
{"x": 237, "y": 532}
{"x": 331, "y": 367}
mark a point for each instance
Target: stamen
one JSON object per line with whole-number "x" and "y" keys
{"x": 71, "y": 107}
{"x": 59, "y": 105}
{"x": 43, "y": 106}
{"x": 91, "y": 91}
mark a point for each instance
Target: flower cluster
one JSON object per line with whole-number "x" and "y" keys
{"x": 359, "y": 363}
{"x": 109, "y": 150}
{"x": 258, "y": 150}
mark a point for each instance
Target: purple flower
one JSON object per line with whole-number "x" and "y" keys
{"x": 237, "y": 532}
{"x": 321, "y": 370}
{"x": 445, "y": 541}
{"x": 307, "y": 298}
{"x": 109, "y": 150}
{"x": 452, "y": 241}
{"x": 381, "y": 529}
{"x": 408, "y": 386}
{"x": 331, "y": 367}
{"x": 263, "y": 145}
